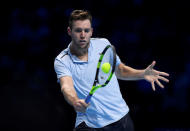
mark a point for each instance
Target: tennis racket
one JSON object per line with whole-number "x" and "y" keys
{"x": 108, "y": 55}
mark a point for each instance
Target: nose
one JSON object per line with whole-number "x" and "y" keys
{"x": 82, "y": 35}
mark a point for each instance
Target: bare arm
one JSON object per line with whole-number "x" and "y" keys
{"x": 124, "y": 72}
{"x": 70, "y": 94}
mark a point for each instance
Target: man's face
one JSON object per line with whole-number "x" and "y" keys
{"x": 81, "y": 33}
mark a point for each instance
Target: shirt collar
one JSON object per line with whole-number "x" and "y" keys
{"x": 76, "y": 59}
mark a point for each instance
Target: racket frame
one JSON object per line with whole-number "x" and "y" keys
{"x": 95, "y": 86}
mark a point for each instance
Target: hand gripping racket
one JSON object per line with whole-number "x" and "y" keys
{"x": 108, "y": 55}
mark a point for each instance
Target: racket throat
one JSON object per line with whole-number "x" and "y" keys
{"x": 94, "y": 88}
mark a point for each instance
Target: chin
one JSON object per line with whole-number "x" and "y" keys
{"x": 85, "y": 45}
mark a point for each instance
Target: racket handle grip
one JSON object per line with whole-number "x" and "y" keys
{"x": 88, "y": 98}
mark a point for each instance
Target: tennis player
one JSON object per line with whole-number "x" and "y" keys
{"x": 76, "y": 66}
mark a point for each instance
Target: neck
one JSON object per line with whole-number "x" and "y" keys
{"x": 84, "y": 57}
{"x": 81, "y": 53}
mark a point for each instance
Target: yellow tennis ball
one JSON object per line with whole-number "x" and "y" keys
{"x": 106, "y": 67}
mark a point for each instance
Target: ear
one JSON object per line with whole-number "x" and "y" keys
{"x": 91, "y": 31}
{"x": 69, "y": 31}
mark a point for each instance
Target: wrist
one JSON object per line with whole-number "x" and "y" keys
{"x": 74, "y": 101}
{"x": 142, "y": 74}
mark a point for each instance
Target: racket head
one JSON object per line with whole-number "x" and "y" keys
{"x": 108, "y": 55}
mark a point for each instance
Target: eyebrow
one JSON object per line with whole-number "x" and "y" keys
{"x": 80, "y": 29}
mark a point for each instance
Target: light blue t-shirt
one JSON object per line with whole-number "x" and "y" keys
{"x": 107, "y": 105}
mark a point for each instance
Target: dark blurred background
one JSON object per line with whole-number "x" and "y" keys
{"x": 141, "y": 30}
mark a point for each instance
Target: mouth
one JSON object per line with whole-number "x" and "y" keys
{"x": 82, "y": 41}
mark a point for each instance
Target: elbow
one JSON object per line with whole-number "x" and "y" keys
{"x": 122, "y": 72}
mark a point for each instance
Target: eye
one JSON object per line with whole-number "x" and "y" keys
{"x": 78, "y": 30}
{"x": 87, "y": 30}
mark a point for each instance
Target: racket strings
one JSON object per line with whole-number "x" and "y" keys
{"x": 107, "y": 58}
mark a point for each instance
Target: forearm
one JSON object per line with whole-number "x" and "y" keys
{"x": 69, "y": 94}
{"x": 128, "y": 73}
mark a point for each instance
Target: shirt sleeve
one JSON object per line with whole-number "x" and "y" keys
{"x": 118, "y": 61}
{"x": 61, "y": 69}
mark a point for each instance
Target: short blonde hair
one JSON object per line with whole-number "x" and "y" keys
{"x": 79, "y": 15}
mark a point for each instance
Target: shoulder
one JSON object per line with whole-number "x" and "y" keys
{"x": 63, "y": 57}
{"x": 100, "y": 40}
